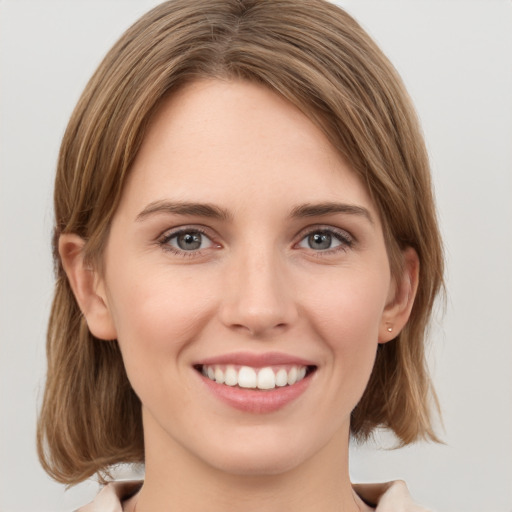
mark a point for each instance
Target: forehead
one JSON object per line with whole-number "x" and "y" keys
{"x": 223, "y": 140}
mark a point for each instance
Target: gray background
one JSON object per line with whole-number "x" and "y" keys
{"x": 456, "y": 59}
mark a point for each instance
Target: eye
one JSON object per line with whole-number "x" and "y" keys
{"x": 186, "y": 240}
{"x": 325, "y": 240}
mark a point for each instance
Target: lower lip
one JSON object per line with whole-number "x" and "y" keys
{"x": 257, "y": 401}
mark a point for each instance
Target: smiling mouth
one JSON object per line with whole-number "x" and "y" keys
{"x": 247, "y": 377}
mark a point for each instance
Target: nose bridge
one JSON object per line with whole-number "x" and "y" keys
{"x": 258, "y": 299}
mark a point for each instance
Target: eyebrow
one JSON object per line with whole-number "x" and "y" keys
{"x": 215, "y": 212}
{"x": 184, "y": 208}
{"x": 329, "y": 208}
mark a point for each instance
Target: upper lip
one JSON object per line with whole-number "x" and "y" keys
{"x": 255, "y": 360}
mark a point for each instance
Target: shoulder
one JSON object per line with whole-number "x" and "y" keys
{"x": 388, "y": 497}
{"x": 111, "y": 496}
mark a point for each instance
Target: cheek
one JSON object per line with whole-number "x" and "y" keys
{"x": 156, "y": 321}
{"x": 350, "y": 306}
{"x": 348, "y": 316}
{"x": 156, "y": 314}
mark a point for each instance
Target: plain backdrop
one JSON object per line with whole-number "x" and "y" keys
{"x": 456, "y": 59}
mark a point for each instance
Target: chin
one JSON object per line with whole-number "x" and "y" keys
{"x": 252, "y": 455}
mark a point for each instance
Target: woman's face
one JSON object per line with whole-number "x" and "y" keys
{"x": 246, "y": 249}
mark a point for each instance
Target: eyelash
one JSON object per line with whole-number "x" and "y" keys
{"x": 345, "y": 239}
{"x": 168, "y": 236}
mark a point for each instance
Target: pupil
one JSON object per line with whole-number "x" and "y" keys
{"x": 189, "y": 241}
{"x": 320, "y": 241}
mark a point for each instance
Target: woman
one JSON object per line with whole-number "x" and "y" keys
{"x": 247, "y": 256}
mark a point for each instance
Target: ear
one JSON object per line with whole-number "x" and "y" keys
{"x": 88, "y": 287}
{"x": 401, "y": 298}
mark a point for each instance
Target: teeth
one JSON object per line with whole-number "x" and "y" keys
{"x": 266, "y": 379}
{"x": 292, "y": 376}
{"x": 253, "y": 378}
{"x": 281, "y": 378}
{"x": 231, "y": 377}
{"x": 247, "y": 377}
{"x": 219, "y": 376}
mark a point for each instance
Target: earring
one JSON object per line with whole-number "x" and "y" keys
{"x": 390, "y": 329}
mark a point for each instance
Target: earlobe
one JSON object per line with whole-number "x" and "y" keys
{"x": 397, "y": 311}
{"x": 87, "y": 287}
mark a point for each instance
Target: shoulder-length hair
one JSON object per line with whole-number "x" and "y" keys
{"x": 317, "y": 57}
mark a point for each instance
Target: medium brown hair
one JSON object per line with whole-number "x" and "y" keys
{"x": 316, "y": 56}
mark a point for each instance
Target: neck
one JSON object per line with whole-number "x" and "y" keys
{"x": 177, "y": 480}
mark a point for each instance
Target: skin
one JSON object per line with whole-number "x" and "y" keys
{"x": 257, "y": 285}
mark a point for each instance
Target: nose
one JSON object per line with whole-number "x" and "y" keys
{"x": 259, "y": 296}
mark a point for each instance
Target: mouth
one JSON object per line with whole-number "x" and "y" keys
{"x": 256, "y": 383}
{"x": 265, "y": 378}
